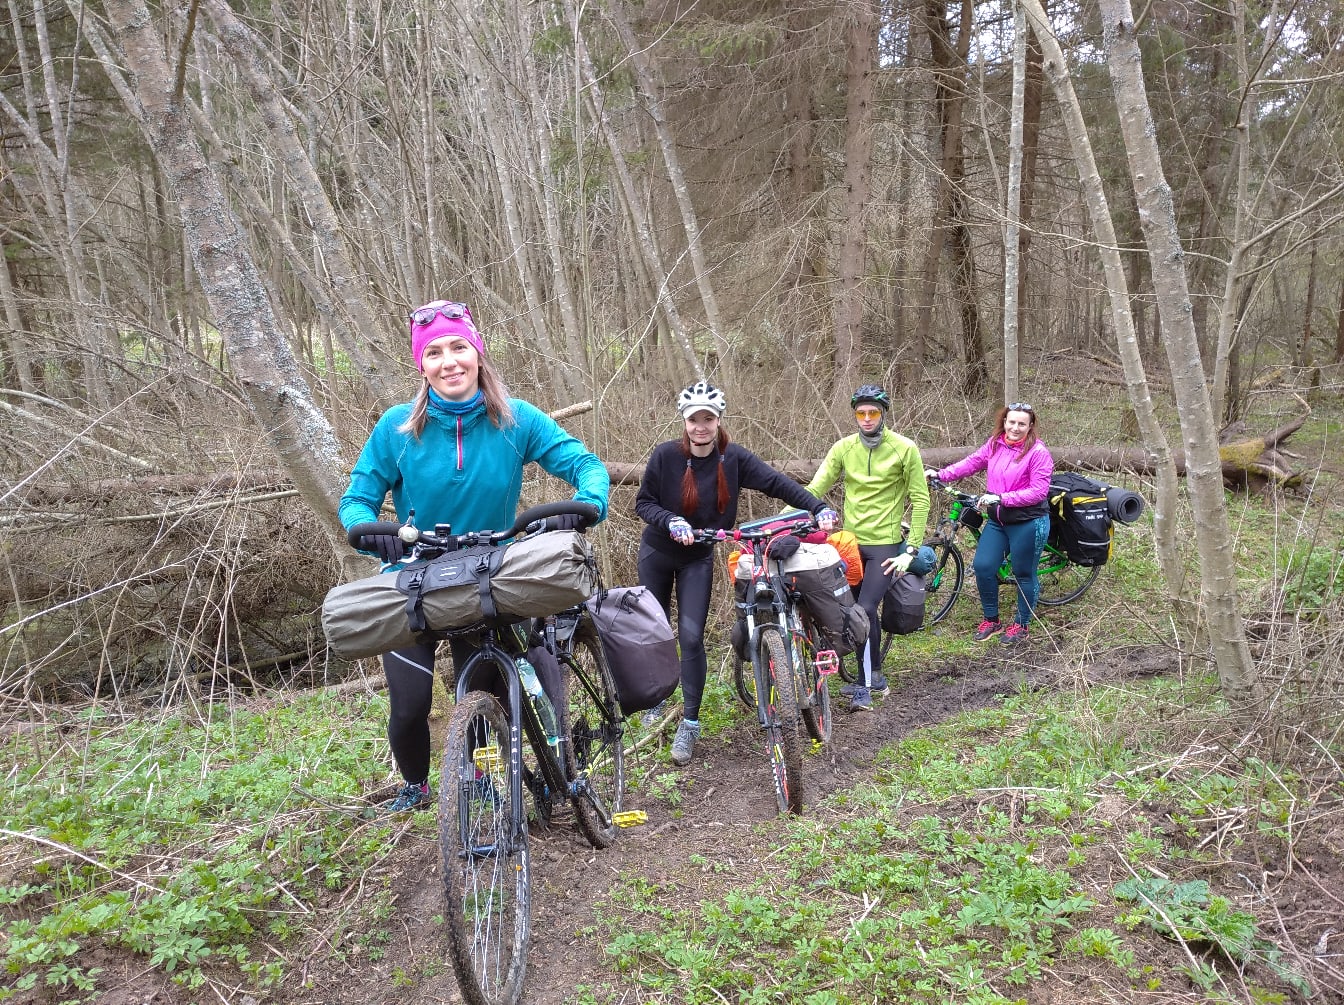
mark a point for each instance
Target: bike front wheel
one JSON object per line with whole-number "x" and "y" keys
{"x": 483, "y": 843}
{"x": 594, "y": 753}
{"x": 1061, "y": 581}
{"x": 814, "y": 697}
{"x": 779, "y": 712}
{"x": 943, "y": 583}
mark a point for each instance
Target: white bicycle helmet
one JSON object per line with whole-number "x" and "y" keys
{"x": 701, "y": 395}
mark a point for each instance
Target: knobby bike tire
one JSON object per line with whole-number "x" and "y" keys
{"x": 779, "y": 712}
{"x": 595, "y": 731}
{"x": 483, "y": 843}
{"x": 1062, "y": 582}
{"x": 814, "y": 697}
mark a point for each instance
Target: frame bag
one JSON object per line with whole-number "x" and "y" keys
{"x": 1080, "y": 518}
{"x": 530, "y": 578}
{"x": 638, "y": 643}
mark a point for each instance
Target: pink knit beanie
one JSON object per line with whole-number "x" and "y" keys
{"x": 437, "y": 319}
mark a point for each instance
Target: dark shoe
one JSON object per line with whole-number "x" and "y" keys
{"x": 412, "y": 796}
{"x": 988, "y": 628}
{"x": 879, "y": 689}
{"x": 862, "y": 700}
{"x": 847, "y": 691}
{"x": 1016, "y": 635}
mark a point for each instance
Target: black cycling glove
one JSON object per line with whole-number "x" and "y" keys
{"x": 566, "y": 521}
{"x": 389, "y": 547}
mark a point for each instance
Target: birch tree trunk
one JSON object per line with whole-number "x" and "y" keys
{"x": 1012, "y": 211}
{"x": 861, "y": 66}
{"x": 1218, "y": 580}
{"x": 355, "y": 326}
{"x": 300, "y": 435}
{"x": 1126, "y": 336}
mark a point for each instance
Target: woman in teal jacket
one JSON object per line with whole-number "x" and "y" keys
{"x": 454, "y": 455}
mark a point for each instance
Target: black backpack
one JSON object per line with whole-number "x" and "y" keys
{"x": 1080, "y": 518}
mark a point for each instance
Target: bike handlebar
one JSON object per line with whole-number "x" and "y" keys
{"x": 758, "y": 530}
{"x": 533, "y": 520}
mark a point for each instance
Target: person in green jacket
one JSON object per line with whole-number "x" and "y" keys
{"x": 882, "y": 472}
{"x": 454, "y": 455}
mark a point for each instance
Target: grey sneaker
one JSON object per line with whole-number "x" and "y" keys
{"x": 652, "y": 717}
{"x": 878, "y": 690}
{"x": 683, "y": 744}
{"x": 862, "y": 701}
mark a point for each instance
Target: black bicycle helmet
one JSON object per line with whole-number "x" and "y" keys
{"x": 871, "y": 393}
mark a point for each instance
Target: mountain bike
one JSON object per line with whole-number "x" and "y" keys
{"x": 482, "y": 816}
{"x": 1062, "y": 581}
{"x": 788, "y": 684}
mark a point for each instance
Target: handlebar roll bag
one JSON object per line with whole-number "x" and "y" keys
{"x": 535, "y": 576}
{"x": 638, "y": 643}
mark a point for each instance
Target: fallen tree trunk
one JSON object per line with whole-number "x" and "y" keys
{"x": 1252, "y": 461}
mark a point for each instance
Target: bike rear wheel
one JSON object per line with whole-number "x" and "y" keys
{"x": 779, "y": 711}
{"x": 814, "y": 697}
{"x": 594, "y": 753}
{"x": 943, "y": 582}
{"x": 483, "y": 843}
{"x": 1061, "y": 581}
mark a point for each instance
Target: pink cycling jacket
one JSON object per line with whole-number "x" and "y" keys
{"x": 1020, "y": 484}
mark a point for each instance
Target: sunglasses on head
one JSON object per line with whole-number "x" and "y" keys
{"x": 425, "y": 315}
{"x": 1020, "y": 406}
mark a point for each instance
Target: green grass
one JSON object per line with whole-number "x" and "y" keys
{"x": 184, "y": 841}
{"x": 966, "y": 870}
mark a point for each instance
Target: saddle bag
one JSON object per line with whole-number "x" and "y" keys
{"x": 533, "y": 577}
{"x": 639, "y": 645}
{"x": 1080, "y": 518}
{"x": 816, "y": 574}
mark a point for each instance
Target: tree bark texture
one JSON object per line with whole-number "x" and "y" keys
{"x": 297, "y": 431}
{"x": 1218, "y": 580}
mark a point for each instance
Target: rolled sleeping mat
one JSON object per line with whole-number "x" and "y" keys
{"x": 1124, "y": 505}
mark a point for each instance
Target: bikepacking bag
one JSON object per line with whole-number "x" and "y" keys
{"x": 903, "y": 604}
{"x": 1080, "y": 518}
{"x": 816, "y": 573}
{"x": 529, "y": 578}
{"x": 638, "y": 643}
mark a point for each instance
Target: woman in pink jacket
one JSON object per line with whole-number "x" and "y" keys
{"x": 1017, "y": 470}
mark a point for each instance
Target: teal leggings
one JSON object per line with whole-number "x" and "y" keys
{"x": 1024, "y": 542}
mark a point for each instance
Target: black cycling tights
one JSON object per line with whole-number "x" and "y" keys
{"x": 869, "y": 597}
{"x": 410, "y": 691}
{"x": 693, "y": 580}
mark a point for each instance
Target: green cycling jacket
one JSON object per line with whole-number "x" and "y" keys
{"x": 878, "y": 483}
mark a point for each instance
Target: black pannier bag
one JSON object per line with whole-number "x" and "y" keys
{"x": 639, "y": 645}
{"x": 816, "y": 573}
{"x": 1080, "y": 518}
{"x": 903, "y": 604}
{"x": 532, "y": 577}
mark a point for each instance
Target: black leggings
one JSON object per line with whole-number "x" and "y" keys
{"x": 693, "y": 579}
{"x": 410, "y": 691}
{"x": 869, "y": 596}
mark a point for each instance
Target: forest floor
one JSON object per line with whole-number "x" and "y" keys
{"x": 721, "y": 808}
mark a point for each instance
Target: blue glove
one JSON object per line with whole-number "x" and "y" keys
{"x": 680, "y": 531}
{"x": 389, "y": 547}
{"x": 827, "y": 519}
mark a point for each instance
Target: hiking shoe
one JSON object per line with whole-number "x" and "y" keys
{"x": 413, "y": 796}
{"x": 879, "y": 689}
{"x": 988, "y": 628}
{"x": 652, "y": 717}
{"x": 1015, "y": 635}
{"x": 683, "y": 744}
{"x": 862, "y": 701}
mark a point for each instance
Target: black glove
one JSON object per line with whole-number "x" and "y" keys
{"x": 389, "y": 547}
{"x": 566, "y": 521}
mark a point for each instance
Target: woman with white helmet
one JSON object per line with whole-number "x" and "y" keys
{"x": 694, "y": 482}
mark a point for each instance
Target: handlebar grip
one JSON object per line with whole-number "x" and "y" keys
{"x": 585, "y": 511}
{"x": 355, "y": 535}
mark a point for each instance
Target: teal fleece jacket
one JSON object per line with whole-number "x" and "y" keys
{"x": 464, "y": 470}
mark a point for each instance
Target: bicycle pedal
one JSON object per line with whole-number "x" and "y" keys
{"x": 827, "y": 662}
{"x": 629, "y": 818}
{"x": 487, "y": 759}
